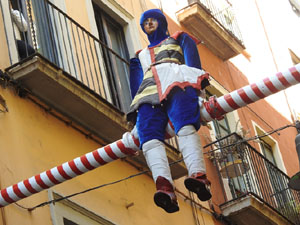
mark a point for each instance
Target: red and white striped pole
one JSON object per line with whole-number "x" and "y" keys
{"x": 215, "y": 108}
{"x": 129, "y": 144}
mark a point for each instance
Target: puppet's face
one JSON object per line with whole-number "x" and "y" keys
{"x": 150, "y": 25}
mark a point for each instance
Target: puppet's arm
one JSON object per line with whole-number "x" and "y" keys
{"x": 190, "y": 51}
{"x": 136, "y": 75}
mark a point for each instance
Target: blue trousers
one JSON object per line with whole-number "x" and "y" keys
{"x": 181, "y": 108}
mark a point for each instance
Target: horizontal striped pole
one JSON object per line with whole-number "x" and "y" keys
{"x": 215, "y": 108}
{"x": 127, "y": 146}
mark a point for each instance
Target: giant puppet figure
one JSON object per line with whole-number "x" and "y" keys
{"x": 166, "y": 79}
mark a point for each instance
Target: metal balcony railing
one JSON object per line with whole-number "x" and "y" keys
{"x": 71, "y": 47}
{"x": 243, "y": 170}
{"x": 222, "y": 12}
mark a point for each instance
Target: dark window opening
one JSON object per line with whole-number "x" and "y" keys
{"x": 112, "y": 34}
{"x": 69, "y": 222}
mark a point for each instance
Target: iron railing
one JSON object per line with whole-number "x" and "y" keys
{"x": 71, "y": 47}
{"x": 243, "y": 170}
{"x": 223, "y": 13}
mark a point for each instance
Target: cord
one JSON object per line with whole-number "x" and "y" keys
{"x": 249, "y": 139}
{"x": 146, "y": 171}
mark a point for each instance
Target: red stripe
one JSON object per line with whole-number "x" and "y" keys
{"x": 155, "y": 75}
{"x": 98, "y": 158}
{"x": 18, "y": 192}
{"x": 40, "y": 182}
{"x": 282, "y": 79}
{"x": 6, "y": 196}
{"x": 220, "y": 109}
{"x": 214, "y": 109}
{"x": 295, "y": 73}
{"x": 231, "y": 102}
{"x": 270, "y": 85}
{"x": 171, "y": 124}
{"x": 74, "y": 167}
{"x": 244, "y": 96}
{"x": 136, "y": 141}
{"x": 126, "y": 151}
{"x": 51, "y": 177}
{"x": 86, "y": 163}
{"x": 63, "y": 173}
{"x": 257, "y": 91}
{"x": 110, "y": 152}
{"x": 29, "y": 187}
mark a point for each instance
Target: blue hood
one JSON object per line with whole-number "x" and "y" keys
{"x": 161, "y": 32}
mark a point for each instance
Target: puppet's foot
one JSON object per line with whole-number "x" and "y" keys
{"x": 199, "y": 184}
{"x": 165, "y": 196}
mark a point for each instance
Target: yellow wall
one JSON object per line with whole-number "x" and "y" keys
{"x": 33, "y": 141}
{"x": 4, "y": 57}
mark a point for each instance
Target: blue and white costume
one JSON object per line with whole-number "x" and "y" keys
{"x": 166, "y": 78}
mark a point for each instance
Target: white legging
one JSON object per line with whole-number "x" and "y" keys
{"x": 190, "y": 147}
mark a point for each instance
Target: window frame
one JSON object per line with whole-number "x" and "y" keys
{"x": 114, "y": 70}
{"x": 78, "y": 210}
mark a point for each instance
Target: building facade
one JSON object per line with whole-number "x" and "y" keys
{"x": 64, "y": 91}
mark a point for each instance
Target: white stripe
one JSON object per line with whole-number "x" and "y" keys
{"x": 68, "y": 170}
{"x": 90, "y": 157}
{"x": 224, "y": 105}
{"x": 46, "y": 179}
{"x": 289, "y": 77}
{"x": 263, "y": 88}
{"x": 104, "y": 155}
{"x": 57, "y": 175}
{"x": 34, "y": 184}
{"x": 23, "y": 189}
{"x": 276, "y": 82}
{"x": 80, "y": 165}
{"x": 2, "y": 201}
{"x": 237, "y": 99}
{"x": 297, "y": 67}
{"x": 250, "y": 93}
{"x": 205, "y": 117}
{"x": 12, "y": 194}
{"x": 117, "y": 150}
{"x": 170, "y": 130}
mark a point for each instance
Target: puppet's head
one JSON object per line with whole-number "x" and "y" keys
{"x": 161, "y": 31}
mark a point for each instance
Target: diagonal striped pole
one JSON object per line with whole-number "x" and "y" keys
{"x": 127, "y": 146}
{"x": 215, "y": 108}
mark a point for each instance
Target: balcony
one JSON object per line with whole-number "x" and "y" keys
{"x": 77, "y": 75}
{"x": 215, "y": 25}
{"x": 254, "y": 190}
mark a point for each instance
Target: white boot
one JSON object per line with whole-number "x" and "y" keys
{"x": 156, "y": 157}
{"x": 191, "y": 149}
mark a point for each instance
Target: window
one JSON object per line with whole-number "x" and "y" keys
{"x": 112, "y": 34}
{"x": 267, "y": 151}
{"x": 67, "y": 212}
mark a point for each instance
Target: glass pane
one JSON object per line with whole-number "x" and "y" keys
{"x": 69, "y": 222}
{"x": 116, "y": 42}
